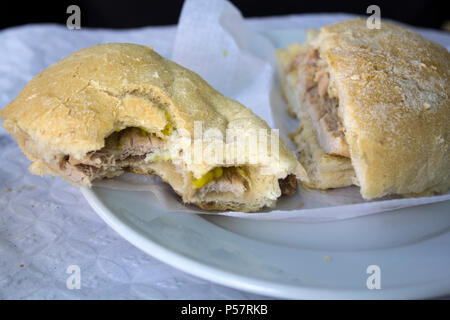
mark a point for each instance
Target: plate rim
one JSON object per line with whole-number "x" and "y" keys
{"x": 270, "y": 289}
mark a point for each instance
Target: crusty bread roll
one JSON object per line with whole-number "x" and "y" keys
{"x": 373, "y": 106}
{"x": 122, "y": 107}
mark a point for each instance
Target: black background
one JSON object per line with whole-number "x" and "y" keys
{"x": 132, "y": 13}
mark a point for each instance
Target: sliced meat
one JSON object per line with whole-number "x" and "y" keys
{"x": 322, "y": 77}
{"x": 288, "y": 185}
{"x": 76, "y": 173}
{"x": 122, "y": 150}
{"x": 95, "y": 159}
{"x": 230, "y": 181}
{"x": 307, "y": 69}
{"x": 314, "y": 82}
{"x": 135, "y": 141}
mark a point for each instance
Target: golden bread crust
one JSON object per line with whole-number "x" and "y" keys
{"x": 73, "y": 105}
{"x": 393, "y": 87}
{"x": 70, "y": 107}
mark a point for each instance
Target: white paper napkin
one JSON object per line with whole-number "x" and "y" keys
{"x": 214, "y": 40}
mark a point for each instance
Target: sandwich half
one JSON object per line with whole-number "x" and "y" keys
{"x": 113, "y": 108}
{"x": 373, "y": 106}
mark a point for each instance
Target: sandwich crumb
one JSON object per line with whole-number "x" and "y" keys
{"x": 426, "y": 106}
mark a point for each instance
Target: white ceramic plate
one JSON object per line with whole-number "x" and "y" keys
{"x": 328, "y": 260}
{"x": 292, "y": 260}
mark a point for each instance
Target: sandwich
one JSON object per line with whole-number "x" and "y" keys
{"x": 113, "y": 108}
{"x": 373, "y": 107}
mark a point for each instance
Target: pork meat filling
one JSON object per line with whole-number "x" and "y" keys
{"x": 314, "y": 83}
{"x": 128, "y": 148}
{"x": 237, "y": 183}
{"x": 230, "y": 181}
{"x": 122, "y": 151}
